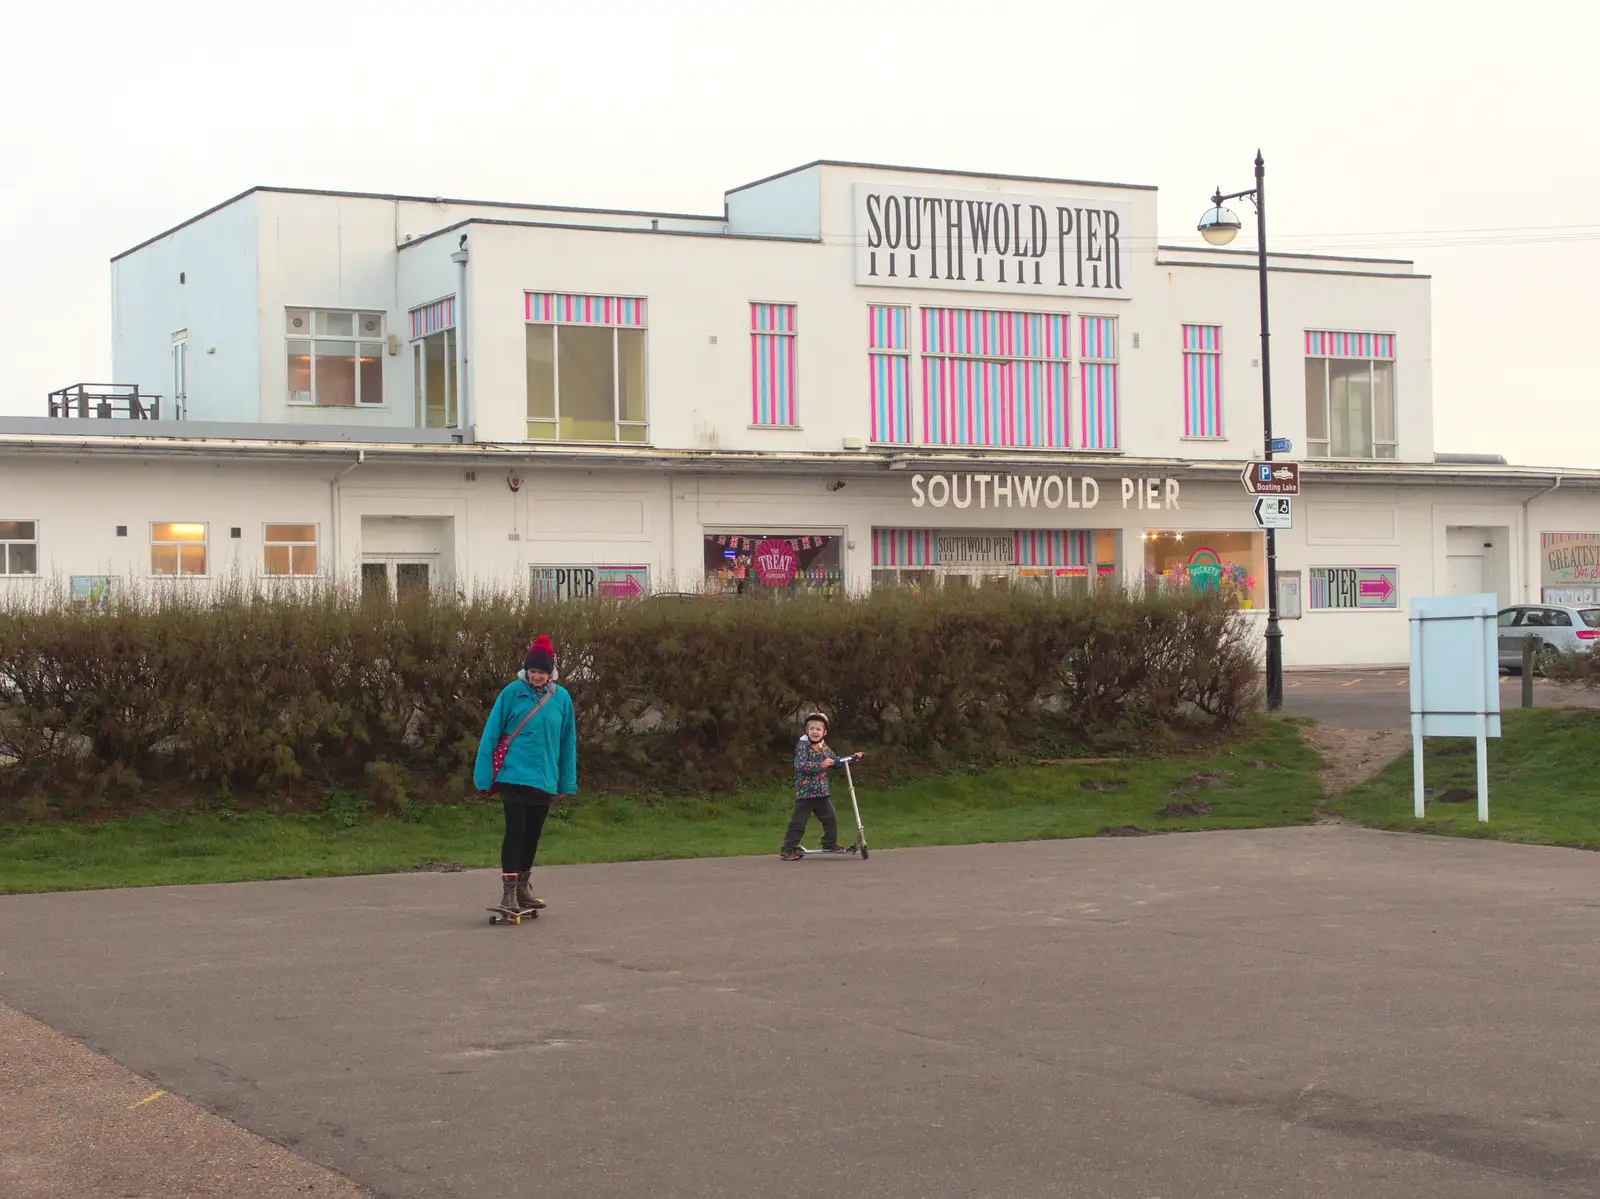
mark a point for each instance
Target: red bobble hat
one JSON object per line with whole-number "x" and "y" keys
{"x": 541, "y": 655}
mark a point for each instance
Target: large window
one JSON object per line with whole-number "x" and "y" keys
{"x": 1233, "y": 563}
{"x": 772, "y": 366}
{"x": 756, "y": 563}
{"x": 433, "y": 354}
{"x": 1202, "y": 381}
{"x": 1350, "y": 404}
{"x": 19, "y": 547}
{"x": 585, "y": 368}
{"x": 289, "y": 550}
{"x": 177, "y": 549}
{"x": 435, "y": 372}
{"x": 995, "y": 378}
{"x": 335, "y": 358}
{"x": 889, "y": 372}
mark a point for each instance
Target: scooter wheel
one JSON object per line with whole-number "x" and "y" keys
{"x": 863, "y": 853}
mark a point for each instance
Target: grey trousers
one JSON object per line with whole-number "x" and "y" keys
{"x": 804, "y": 807}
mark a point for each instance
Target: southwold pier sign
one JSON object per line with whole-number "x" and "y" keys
{"x": 991, "y": 241}
{"x": 1032, "y": 491}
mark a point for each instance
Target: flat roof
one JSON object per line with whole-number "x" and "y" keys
{"x": 909, "y": 170}
{"x": 400, "y": 198}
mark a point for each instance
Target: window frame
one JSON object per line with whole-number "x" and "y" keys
{"x": 902, "y": 353}
{"x": 1186, "y": 353}
{"x": 380, "y": 339}
{"x": 1372, "y": 361}
{"x": 204, "y": 543}
{"x": 1082, "y": 360}
{"x": 792, "y": 334}
{"x": 918, "y": 384}
{"x": 5, "y": 549}
{"x": 615, "y": 328}
{"x": 419, "y": 369}
{"x": 268, "y": 541}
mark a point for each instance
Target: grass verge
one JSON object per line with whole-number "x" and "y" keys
{"x": 1542, "y": 784}
{"x": 1264, "y": 779}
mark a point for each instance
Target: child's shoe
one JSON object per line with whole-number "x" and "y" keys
{"x": 834, "y": 849}
{"x": 790, "y": 855}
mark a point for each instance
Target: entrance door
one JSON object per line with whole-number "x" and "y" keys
{"x": 389, "y": 578}
{"x": 1463, "y": 574}
{"x": 180, "y": 377}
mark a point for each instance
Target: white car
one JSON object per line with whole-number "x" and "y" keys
{"x": 1553, "y": 628}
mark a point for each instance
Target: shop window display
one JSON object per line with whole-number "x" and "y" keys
{"x": 1233, "y": 563}
{"x": 766, "y": 563}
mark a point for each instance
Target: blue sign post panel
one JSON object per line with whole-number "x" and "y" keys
{"x": 1455, "y": 679}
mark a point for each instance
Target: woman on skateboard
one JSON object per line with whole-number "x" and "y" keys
{"x": 527, "y": 756}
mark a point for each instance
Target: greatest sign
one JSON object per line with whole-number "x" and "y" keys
{"x": 991, "y": 241}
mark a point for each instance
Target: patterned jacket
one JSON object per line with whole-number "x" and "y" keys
{"x": 810, "y": 776}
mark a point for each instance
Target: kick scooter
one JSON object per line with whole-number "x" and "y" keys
{"x": 860, "y": 845}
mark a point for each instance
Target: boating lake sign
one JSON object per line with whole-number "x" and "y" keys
{"x": 1271, "y": 478}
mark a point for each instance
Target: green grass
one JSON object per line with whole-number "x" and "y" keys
{"x": 1267, "y": 779}
{"x": 1544, "y": 783}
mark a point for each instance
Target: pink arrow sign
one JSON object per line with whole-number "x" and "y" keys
{"x": 624, "y": 588}
{"x": 1379, "y": 587}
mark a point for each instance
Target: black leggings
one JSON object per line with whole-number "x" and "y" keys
{"x": 526, "y": 810}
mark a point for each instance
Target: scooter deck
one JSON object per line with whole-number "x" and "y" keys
{"x": 499, "y": 915}
{"x": 849, "y": 851}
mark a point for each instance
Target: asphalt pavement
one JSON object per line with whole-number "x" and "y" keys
{"x": 1318, "y": 1011}
{"x": 1381, "y": 699}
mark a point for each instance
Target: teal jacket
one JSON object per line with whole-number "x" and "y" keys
{"x": 544, "y": 755}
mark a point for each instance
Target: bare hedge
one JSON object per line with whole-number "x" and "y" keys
{"x": 278, "y": 695}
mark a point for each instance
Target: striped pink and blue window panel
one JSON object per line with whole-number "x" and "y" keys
{"x": 888, "y": 327}
{"x": 977, "y": 332}
{"x": 1324, "y": 344}
{"x": 772, "y": 365}
{"x": 1101, "y": 422}
{"x": 430, "y": 318}
{"x": 1053, "y": 547}
{"x": 968, "y": 401}
{"x": 905, "y": 547}
{"x": 889, "y": 386}
{"x": 1202, "y": 381}
{"x": 558, "y": 308}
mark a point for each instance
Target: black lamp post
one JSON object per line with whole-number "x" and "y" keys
{"x": 1219, "y": 226}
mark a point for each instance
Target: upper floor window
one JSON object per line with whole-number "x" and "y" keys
{"x": 995, "y": 378}
{"x": 585, "y": 368}
{"x": 1101, "y": 427}
{"x": 1202, "y": 381}
{"x": 772, "y": 364}
{"x": 1350, "y": 407}
{"x": 335, "y": 358}
{"x": 889, "y": 372}
{"x": 433, "y": 352}
{"x": 19, "y": 547}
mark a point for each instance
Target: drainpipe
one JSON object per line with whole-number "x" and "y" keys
{"x": 467, "y": 415}
{"x": 336, "y": 509}
{"x": 1527, "y": 533}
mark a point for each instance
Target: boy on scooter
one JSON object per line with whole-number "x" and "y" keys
{"x": 812, "y": 761}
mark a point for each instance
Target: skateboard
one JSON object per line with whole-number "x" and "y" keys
{"x": 498, "y": 915}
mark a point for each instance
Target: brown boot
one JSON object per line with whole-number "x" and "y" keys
{"x": 525, "y": 896}
{"x": 508, "y": 893}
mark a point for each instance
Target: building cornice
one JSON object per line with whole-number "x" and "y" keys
{"x": 524, "y": 456}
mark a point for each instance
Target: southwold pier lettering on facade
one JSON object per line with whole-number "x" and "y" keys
{"x": 1030, "y": 491}
{"x": 989, "y": 241}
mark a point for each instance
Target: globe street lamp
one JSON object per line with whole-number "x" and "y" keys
{"x": 1218, "y": 225}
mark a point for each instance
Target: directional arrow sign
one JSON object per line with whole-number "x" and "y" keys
{"x": 1377, "y": 592}
{"x": 1274, "y": 512}
{"x": 1271, "y": 478}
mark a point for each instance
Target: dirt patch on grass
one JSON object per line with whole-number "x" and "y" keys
{"x": 1352, "y": 756}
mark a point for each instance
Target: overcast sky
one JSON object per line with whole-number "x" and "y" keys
{"x": 1461, "y": 135}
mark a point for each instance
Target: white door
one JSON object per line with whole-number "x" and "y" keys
{"x": 180, "y": 378}
{"x": 1463, "y": 574}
